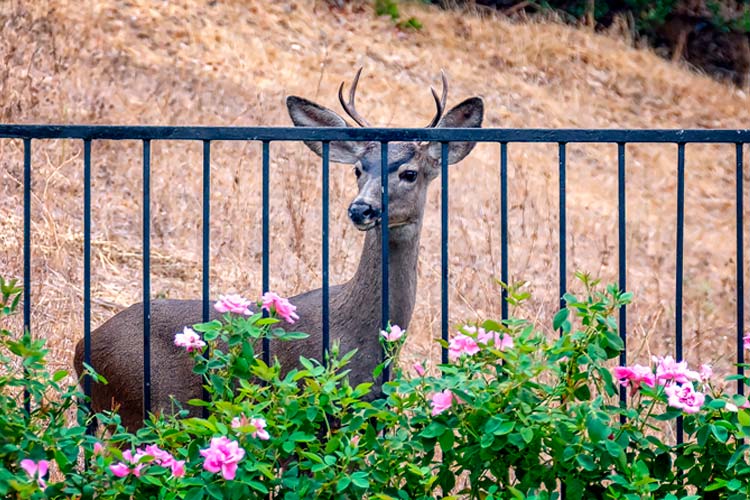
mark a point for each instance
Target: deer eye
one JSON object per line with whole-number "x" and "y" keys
{"x": 357, "y": 172}
{"x": 408, "y": 175}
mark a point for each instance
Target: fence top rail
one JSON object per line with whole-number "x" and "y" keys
{"x": 499, "y": 135}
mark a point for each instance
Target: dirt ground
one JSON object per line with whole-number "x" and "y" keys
{"x": 189, "y": 62}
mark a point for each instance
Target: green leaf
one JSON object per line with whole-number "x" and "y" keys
{"x": 616, "y": 452}
{"x": 717, "y": 404}
{"x": 560, "y": 318}
{"x": 292, "y": 336}
{"x": 527, "y": 434}
{"x": 433, "y": 430}
{"x": 504, "y": 428}
{"x": 306, "y": 363}
{"x": 301, "y": 437}
{"x": 360, "y": 479}
{"x": 597, "y": 428}
{"x": 258, "y": 486}
{"x": 342, "y": 484}
{"x": 311, "y": 456}
{"x": 486, "y": 440}
{"x": 720, "y": 433}
{"x": 737, "y": 455}
{"x": 586, "y": 462}
{"x": 491, "y": 325}
{"x": 205, "y": 327}
{"x": 446, "y": 441}
{"x": 734, "y": 484}
{"x": 194, "y": 494}
{"x": 287, "y": 446}
{"x": 743, "y": 416}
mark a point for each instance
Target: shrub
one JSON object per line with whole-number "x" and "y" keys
{"x": 514, "y": 414}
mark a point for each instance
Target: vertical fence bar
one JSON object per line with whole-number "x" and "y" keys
{"x": 740, "y": 274}
{"x": 206, "y": 244}
{"x": 325, "y": 309}
{"x": 91, "y": 427}
{"x": 206, "y": 227}
{"x": 444, "y": 247}
{"x": 562, "y": 244}
{"x": 679, "y": 260}
{"x": 146, "y": 277}
{"x": 504, "y": 227}
{"x": 26, "y": 253}
{"x": 562, "y": 229}
{"x": 384, "y": 295}
{"x": 266, "y": 246}
{"x": 622, "y": 260}
{"x": 87, "y": 264}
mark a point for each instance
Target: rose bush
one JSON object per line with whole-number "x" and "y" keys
{"x": 516, "y": 413}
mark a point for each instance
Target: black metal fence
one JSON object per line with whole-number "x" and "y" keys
{"x": 266, "y": 135}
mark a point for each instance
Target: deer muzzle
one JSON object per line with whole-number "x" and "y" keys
{"x": 364, "y": 215}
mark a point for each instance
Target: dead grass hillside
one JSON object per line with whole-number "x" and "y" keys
{"x": 189, "y": 62}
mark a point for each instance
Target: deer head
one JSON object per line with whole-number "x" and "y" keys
{"x": 411, "y": 166}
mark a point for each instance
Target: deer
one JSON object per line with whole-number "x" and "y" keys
{"x": 355, "y": 306}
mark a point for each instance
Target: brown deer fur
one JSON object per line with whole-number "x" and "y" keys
{"x": 117, "y": 345}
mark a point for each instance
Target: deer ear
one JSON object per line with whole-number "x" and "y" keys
{"x": 306, "y": 113}
{"x": 468, "y": 114}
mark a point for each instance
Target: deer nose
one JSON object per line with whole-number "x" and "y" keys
{"x": 361, "y": 212}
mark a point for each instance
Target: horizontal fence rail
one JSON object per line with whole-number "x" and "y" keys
{"x": 266, "y": 135}
{"x": 117, "y": 132}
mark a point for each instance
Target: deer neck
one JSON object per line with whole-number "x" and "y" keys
{"x": 363, "y": 291}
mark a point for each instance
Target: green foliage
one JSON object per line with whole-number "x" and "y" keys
{"x": 44, "y": 432}
{"x": 519, "y": 414}
{"x": 390, "y": 8}
{"x": 648, "y": 15}
{"x": 387, "y": 8}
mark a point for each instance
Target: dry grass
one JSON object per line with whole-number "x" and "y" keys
{"x": 233, "y": 62}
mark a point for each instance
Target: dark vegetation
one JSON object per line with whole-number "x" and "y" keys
{"x": 711, "y": 35}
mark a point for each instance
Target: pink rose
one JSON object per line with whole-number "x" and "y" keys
{"x": 492, "y": 339}
{"x": 222, "y": 455}
{"x": 668, "y": 369}
{"x": 684, "y": 397}
{"x": 36, "y": 470}
{"x": 441, "y": 401}
{"x": 281, "y": 306}
{"x": 260, "y": 424}
{"x": 705, "y": 372}
{"x": 260, "y": 429}
{"x": 178, "y": 468}
{"x": 746, "y": 341}
{"x": 506, "y": 342}
{"x": 461, "y": 344}
{"x": 395, "y": 333}
{"x": 419, "y": 368}
{"x": 130, "y": 466}
{"x": 162, "y": 458}
{"x": 190, "y": 340}
{"x": 234, "y": 304}
{"x": 119, "y": 469}
{"x": 635, "y": 375}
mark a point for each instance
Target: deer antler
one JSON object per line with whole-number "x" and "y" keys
{"x": 349, "y": 106}
{"x": 439, "y": 103}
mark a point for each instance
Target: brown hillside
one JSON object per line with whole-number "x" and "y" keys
{"x": 232, "y": 63}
